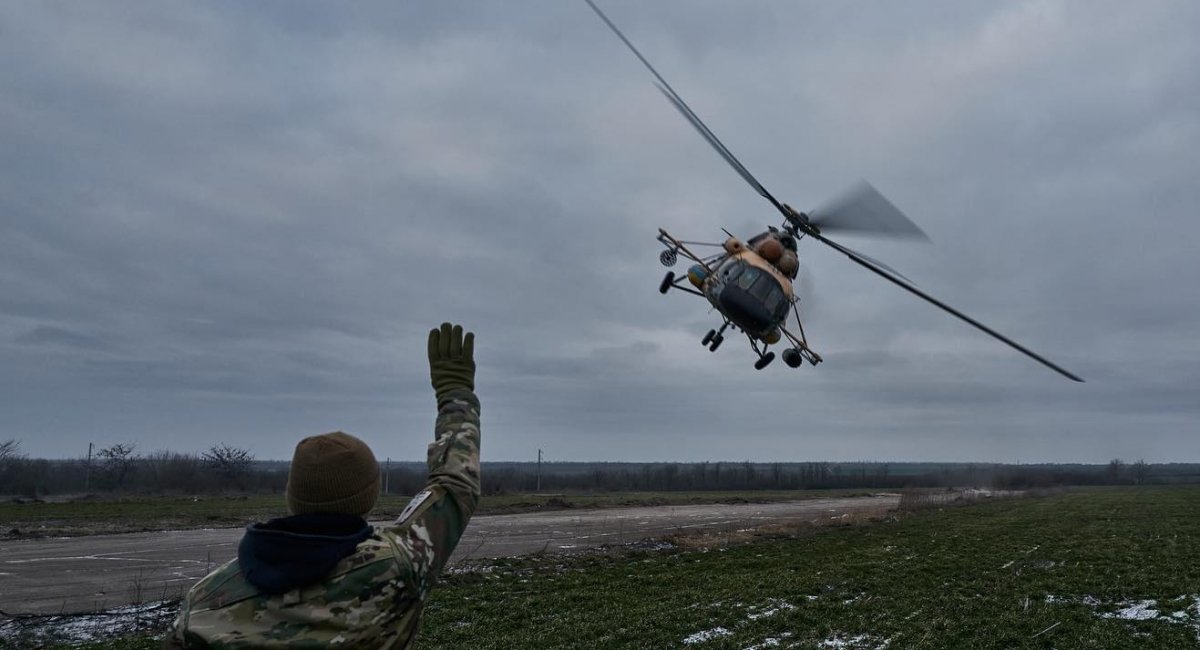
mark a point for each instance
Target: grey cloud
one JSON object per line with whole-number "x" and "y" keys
{"x": 261, "y": 211}
{"x": 57, "y": 336}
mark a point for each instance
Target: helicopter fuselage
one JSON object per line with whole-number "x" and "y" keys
{"x": 750, "y": 292}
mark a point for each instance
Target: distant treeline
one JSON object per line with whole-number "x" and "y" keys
{"x": 225, "y": 469}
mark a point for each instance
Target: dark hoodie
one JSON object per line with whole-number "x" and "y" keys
{"x": 295, "y": 551}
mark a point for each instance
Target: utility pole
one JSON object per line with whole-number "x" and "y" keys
{"x": 387, "y": 474}
{"x": 539, "y": 472}
{"x": 87, "y": 475}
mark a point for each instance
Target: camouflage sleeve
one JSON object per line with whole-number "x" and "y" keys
{"x": 177, "y": 638}
{"x": 174, "y": 639}
{"x": 430, "y": 526}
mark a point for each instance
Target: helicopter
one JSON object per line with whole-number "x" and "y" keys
{"x": 751, "y": 283}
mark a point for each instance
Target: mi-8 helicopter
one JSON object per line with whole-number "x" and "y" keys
{"x": 750, "y": 283}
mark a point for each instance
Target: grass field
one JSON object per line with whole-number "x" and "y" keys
{"x": 1068, "y": 571}
{"x": 1104, "y": 568}
{"x": 135, "y": 514}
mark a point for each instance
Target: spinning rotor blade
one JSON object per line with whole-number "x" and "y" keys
{"x": 871, "y": 266}
{"x": 862, "y": 209}
{"x": 691, "y": 116}
{"x": 684, "y": 110}
{"x": 881, "y": 265}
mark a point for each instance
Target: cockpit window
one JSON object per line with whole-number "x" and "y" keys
{"x": 763, "y": 286}
{"x": 732, "y": 271}
{"x": 748, "y": 277}
{"x": 773, "y": 299}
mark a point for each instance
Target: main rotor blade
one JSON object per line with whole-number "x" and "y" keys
{"x": 695, "y": 121}
{"x": 691, "y": 116}
{"x": 866, "y": 263}
{"x": 880, "y": 264}
{"x": 862, "y": 209}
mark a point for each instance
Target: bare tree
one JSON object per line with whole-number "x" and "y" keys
{"x": 10, "y": 453}
{"x": 1141, "y": 470}
{"x": 116, "y": 462}
{"x": 1114, "y": 470}
{"x": 231, "y": 463}
{"x": 10, "y": 449}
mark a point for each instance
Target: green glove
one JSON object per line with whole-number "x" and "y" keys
{"x": 451, "y": 360}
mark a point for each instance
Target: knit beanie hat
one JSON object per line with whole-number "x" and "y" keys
{"x": 333, "y": 472}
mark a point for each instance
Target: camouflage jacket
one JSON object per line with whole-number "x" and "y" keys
{"x": 373, "y": 597}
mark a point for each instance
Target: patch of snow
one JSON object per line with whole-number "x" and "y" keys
{"x": 775, "y": 606}
{"x": 1142, "y": 610}
{"x": 90, "y": 627}
{"x": 1007, "y": 564}
{"x": 769, "y": 642}
{"x": 706, "y": 635}
{"x": 861, "y": 641}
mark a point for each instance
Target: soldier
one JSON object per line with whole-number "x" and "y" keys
{"x": 323, "y": 576}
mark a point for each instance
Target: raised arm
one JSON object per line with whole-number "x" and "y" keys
{"x": 430, "y": 526}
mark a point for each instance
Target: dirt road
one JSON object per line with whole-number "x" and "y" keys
{"x": 91, "y": 573}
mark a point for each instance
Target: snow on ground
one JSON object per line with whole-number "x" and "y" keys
{"x": 82, "y": 628}
{"x": 857, "y": 642}
{"x": 1140, "y": 610}
{"x": 706, "y": 635}
{"x": 772, "y": 608}
{"x": 770, "y": 642}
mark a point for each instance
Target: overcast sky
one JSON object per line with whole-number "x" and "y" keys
{"x": 236, "y": 222}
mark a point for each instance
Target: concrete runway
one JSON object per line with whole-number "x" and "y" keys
{"x": 102, "y": 571}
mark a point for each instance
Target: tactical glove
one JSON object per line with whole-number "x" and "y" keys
{"x": 451, "y": 360}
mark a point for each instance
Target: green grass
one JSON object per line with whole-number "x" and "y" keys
{"x": 970, "y": 577}
{"x": 136, "y": 514}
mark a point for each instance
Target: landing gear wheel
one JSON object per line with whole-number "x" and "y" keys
{"x": 716, "y": 342}
{"x": 712, "y": 334}
{"x": 764, "y": 361}
{"x": 665, "y": 286}
{"x": 792, "y": 358}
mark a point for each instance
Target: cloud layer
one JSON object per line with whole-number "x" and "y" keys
{"x": 236, "y": 223}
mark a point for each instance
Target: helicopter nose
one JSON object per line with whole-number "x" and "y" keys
{"x": 746, "y": 311}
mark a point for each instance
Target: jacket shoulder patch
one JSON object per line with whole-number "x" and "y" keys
{"x": 412, "y": 506}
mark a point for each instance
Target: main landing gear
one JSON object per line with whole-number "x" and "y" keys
{"x": 764, "y": 358}
{"x": 714, "y": 338}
